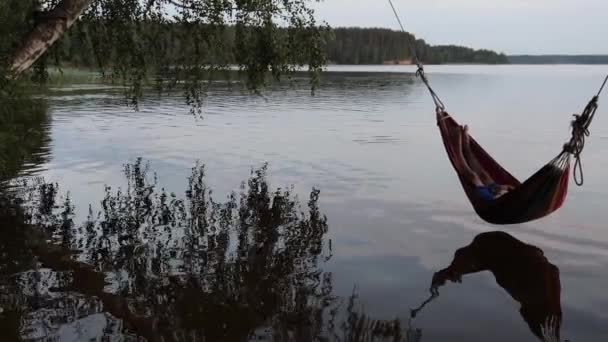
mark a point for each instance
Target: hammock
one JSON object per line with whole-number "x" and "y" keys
{"x": 541, "y": 194}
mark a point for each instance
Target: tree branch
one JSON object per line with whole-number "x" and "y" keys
{"x": 51, "y": 26}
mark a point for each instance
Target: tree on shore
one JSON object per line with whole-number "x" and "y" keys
{"x": 127, "y": 40}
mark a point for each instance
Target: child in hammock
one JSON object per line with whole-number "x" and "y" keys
{"x": 486, "y": 188}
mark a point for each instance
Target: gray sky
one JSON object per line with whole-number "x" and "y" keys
{"x": 510, "y": 26}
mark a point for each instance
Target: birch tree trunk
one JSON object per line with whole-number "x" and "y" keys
{"x": 46, "y": 32}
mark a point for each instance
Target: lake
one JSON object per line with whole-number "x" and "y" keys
{"x": 396, "y": 214}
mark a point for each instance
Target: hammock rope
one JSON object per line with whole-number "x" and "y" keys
{"x": 439, "y": 106}
{"x": 432, "y": 297}
{"x": 414, "y": 334}
{"x": 538, "y": 196}
{"x": 580, "y": 131}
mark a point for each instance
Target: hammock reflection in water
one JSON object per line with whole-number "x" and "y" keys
{"x": 521, "y": 269}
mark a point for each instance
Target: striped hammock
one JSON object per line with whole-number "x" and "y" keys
{"x": 540, "y": 195}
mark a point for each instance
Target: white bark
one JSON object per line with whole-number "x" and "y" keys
{"x": 46, "y": 32}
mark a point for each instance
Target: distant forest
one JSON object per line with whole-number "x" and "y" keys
{"x": 383, "y": 46}
{"x": 559, "y": 59}
{"x": 343, "y": 46}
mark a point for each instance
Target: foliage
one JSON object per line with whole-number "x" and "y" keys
{"x": 191, "y": 269}
{"x": 186, "y": 44}
{"x": 15, "y": 22}
{"x": 128, "y": 41}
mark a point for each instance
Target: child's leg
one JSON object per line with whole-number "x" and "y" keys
{"x": 462, "y": 165}
{"x": 472, "y": 161}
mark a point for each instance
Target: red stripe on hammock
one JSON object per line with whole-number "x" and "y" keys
{"x": 539, "y": 196}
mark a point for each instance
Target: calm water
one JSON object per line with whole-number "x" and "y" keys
{"x": 368, "y": 141}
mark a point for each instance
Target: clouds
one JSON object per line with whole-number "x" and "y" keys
{"x": 512, "y": 26}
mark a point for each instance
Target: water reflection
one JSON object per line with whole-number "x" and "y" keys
{"x": 390, "y": 221}
{"x": 152, "y": 265}
{"x": 521, "y": 269}
{"x": 24, "y": 135}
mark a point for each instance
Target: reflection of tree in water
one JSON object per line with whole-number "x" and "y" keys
{"x": 24, "y": 138}
{"x": 164, "y": 268}
{"x": 23, "y": 134}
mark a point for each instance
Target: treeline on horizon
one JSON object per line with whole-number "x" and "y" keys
{"x": 559, "y": 59}
{"x": 343, "y": 46}
{"x": 354, "y": 45}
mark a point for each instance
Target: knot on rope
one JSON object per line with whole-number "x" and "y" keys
{"x": 439, "y": 106}
{"x": 580, "y": 130}
{"x": 420, "y": 71}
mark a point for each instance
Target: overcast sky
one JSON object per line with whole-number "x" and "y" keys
{"x": 510, "y": 26}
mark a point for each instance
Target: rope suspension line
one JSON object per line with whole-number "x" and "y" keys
{"x": 580, "y": 131}
{"x": 439, "y": 106}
